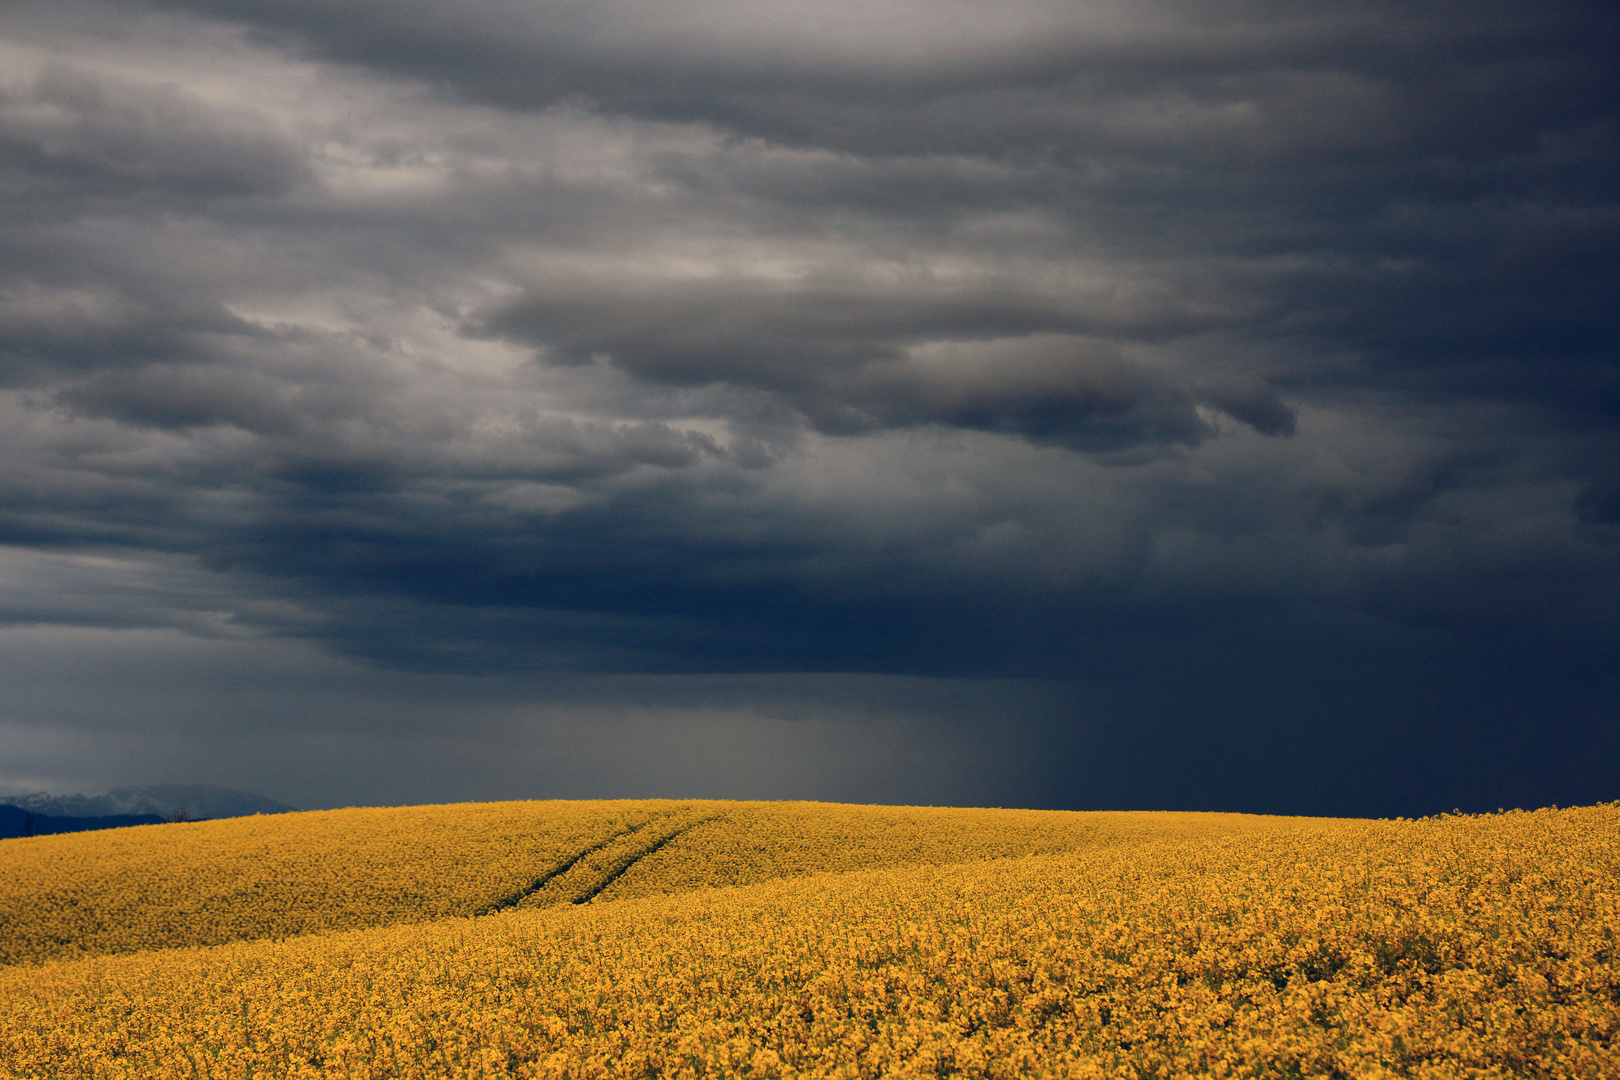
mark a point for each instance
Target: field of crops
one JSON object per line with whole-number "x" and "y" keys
{"x": 855, "y": 942}
{"x": 207, "y": 883}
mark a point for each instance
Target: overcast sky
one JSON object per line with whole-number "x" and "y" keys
{"x": 1196, "y": 404}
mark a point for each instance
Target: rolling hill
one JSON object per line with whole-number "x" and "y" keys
{"x": 210, "y": 882}
{"x": 665, "y": 939}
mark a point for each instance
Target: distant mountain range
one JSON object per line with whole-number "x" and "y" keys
{"x": 194, "y": 801}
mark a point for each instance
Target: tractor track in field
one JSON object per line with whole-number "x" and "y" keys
{"x": 622, "y": 867}
{"x": 557, "y": 871}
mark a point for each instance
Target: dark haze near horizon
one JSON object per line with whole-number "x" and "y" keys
{"x": 1088, "y": 405}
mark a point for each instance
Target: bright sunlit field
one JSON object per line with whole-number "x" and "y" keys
{"x": 686, "y": 939}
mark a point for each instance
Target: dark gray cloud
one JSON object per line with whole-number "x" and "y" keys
{"x": 106, "y": 138}
{"x": 1246, "y": 371}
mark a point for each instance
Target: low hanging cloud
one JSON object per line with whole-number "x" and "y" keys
{"x": 110, "y": 137}
{"x": 182, "y": 399}
{"x": 849, "y": 362}
{"x": 1070, "y": 391}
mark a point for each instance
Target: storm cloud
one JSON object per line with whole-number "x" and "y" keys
{"x": 1228, "y": 390}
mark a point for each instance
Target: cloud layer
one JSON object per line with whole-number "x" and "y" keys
{"x": 509, "y": 340}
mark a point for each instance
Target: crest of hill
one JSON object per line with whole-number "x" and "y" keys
{"x": 211, "y": 882}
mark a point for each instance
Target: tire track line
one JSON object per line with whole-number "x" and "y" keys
{"x": 557, "y": 871}
{"x": 620, "y": 870}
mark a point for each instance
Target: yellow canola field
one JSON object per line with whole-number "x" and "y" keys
{"x": 744, "y": 843}
{"x": 203, "y": 883}
{"x": 206, "y": 883}
{"x": 1450, "y": 947}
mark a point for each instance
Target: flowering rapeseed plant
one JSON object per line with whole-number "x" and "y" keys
{"x": 1448, "y": 947}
